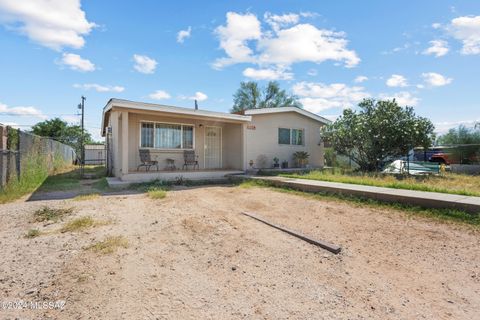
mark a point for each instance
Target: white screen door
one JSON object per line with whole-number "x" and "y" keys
{"x": 213, "y": 147}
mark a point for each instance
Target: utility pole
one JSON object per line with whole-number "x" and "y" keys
{"x": 81, "y": 106}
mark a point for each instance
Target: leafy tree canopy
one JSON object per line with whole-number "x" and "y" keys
{"x": 61, "y": 131}
{"x": 380, "y": 129}
{"x": 460, "y": 135}
{"x": 251, "y": 96}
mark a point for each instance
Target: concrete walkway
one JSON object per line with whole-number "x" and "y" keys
{"x": 410, "y": 197}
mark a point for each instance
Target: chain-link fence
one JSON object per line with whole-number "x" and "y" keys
{"x": 23, "y": 154}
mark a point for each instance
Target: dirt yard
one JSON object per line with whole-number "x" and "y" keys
{"x": 193, "y": 255}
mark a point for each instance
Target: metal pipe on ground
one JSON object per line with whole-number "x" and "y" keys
{"x": 320, "y": 243}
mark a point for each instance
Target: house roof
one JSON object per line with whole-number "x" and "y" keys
{"x": 121, "y": 103}
{"x": 301, "y": 111}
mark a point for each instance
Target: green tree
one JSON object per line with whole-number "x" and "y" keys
{"x": 460, "y": 135}
{"x": 379, "y": 130}
{"x": 61, "y": 131}
{"x": 251, "y": 96}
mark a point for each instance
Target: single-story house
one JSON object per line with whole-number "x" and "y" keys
{"x": 222, "y": 143}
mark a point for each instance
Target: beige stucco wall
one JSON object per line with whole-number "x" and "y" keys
{"x": 263, "y": 140}
{"x": 232, "y": 151}
{"x": 237, "y": 140}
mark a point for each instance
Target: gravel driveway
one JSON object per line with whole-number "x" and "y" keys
{"x": 193, "y": 255}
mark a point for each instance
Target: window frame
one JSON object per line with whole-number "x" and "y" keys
{"x": 303, "y": 136}
{"x": 167, "y": 123}
{"x": 291, "y": 136}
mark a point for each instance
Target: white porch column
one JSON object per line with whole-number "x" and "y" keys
{"x": 124, "y": 143}
{"x": 114, "y": 122}
{"x": 244, "y": 147}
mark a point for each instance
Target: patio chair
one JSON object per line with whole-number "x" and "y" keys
{"x": 190, "y": 159}
{"x": 146, "y": 160}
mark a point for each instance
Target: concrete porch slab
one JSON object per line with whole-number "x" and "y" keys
{"x": 194, "y": 175}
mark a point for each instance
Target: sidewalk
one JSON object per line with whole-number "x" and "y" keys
{"x": 410, "y": 197}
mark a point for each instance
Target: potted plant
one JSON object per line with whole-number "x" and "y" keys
{"x": 301, "y": 157}
{"x": 275, "y": 163}
{"x": 284, "y": 164}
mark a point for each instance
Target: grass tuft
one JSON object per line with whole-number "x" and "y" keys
{"x": 88, "y": 196}
{"x": 79, "y": 224}
{"x": 51, "y": 214}
{"x": 32, "y": 233}
{"x": 157, "y": 193}
{"x": 101, "y": 184}
{"x": 109, "y": 245}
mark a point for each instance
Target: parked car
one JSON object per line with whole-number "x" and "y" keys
{"x": 401, "y": 166}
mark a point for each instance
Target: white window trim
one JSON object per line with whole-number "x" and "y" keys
{"x": 291, "y": 137}
{"x": 162, "y": 122}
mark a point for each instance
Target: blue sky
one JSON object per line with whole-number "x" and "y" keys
{"x": 331, "y": 54}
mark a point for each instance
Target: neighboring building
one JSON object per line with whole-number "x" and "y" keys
{"x": 95, "y": 154}
{"x": 223, "y": 142}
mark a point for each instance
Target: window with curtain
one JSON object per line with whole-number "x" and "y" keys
{"x": 283, "y": 136}
{"x": 291, "y": 136}
{"x": 187, "y": 137}
{"x": 147, "y": 135}
{"x": 166, "y": 136}
{"x": 297, "y": 137}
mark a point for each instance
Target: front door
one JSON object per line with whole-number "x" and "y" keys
{"x": 213, "y": 147}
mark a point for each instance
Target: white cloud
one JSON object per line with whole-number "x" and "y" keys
{"x": 397, "y": 80}
{"x": 438, "y": 48}
{"x": 403, "y": 98}
{"x": 75, "y": 62}
{"x": 14, "y": 125}
{"x": 98, "y": 87}
{"x": 360, "y": 79}
{"x": 199, "y": 96}
{"x": 159, "y": 95}
{"x": 405, "y": 47}
{"x": 467, "y": 30}
{"x": 52, "y": 23}
{"x": 267, "y": 74}
{"x": 435, "y": 79}
{"x": 144, "y": 64}
{"x": 234, "y": 36}
{"x": 286, "y": 43}
{"x": 184, "y": 34}
{"x": 317, "y": 97}
{"x": 304, "y": 42}
{"x": 279, "y": 21}
{"x": 436, "y": 25}
{"x": 21, "y": 111}
{"x": 444, "y": 126}
{"x": 312, "y": 72}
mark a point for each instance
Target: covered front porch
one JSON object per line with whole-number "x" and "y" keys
{"x": 167, "y": 135}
